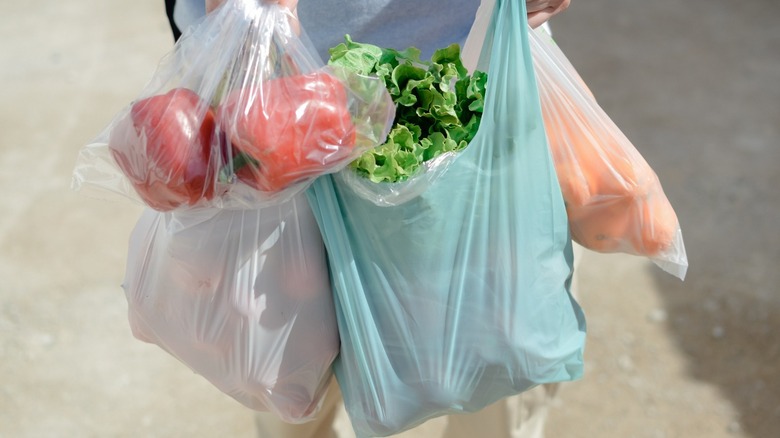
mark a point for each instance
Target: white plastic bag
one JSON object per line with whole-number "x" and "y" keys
{"x": 242, "y": 113}
{"x": 242, "y": 297}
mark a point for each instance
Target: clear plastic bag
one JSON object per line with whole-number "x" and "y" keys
{"x": 242, "y": 113}
{"x": 614, "y": 199}
{"x": 438, "y": 112}
{"x": 242, "y": 297}
{"x": 458, "y": 296}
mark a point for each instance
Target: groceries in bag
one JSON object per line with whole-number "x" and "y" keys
{"x": 241, "y": 297}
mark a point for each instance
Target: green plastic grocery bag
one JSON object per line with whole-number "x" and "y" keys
{"x": 459, "y": 296}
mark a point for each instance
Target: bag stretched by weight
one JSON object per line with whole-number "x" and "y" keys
{"x": 241, "y": 113}
{"x": 614, "y": 199}
{"x": 242, "y": 298}
{"x": 456, "y": 297}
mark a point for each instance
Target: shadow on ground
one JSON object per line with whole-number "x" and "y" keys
{"x": 694, "y": 85}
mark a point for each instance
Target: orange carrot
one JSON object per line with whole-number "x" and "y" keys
{"x": 591, "y": 162}
{"x": 613, "y": 198}
{"x": 659, "y": 226}
{"x": 601, "y": 227}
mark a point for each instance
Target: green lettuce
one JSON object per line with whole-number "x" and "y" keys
{"x": 438, "y": 105}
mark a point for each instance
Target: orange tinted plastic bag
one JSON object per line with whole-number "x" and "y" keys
{"x": 614, "y": 199}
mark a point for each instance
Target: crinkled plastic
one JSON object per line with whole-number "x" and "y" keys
{"x": 613, "y": 197}
{"x": 389, "y": 194}
{"x": 242, "y": 297}
{"x": 458, "y": 296}
{"x": 242, "y": 113}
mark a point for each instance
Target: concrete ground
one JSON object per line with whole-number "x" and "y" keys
{"x": 695, "y": 85}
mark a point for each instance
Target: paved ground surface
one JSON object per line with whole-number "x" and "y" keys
{"x": 694, "y": 85}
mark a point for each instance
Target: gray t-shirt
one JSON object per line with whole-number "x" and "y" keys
{"x": 425, "y": 24}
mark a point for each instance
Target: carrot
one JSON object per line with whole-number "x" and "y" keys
{"x": 575, "y": 184}
{"x": 601, "y": 227}
{"x": 613, "y": 198}
{"x": 659, "y": 226}
{"x": 603, "y": 168}
{"x": 644, "y": 226}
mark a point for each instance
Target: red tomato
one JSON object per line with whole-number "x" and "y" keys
{"x": 292, "y": 127}
{"x": 167, "y": 151}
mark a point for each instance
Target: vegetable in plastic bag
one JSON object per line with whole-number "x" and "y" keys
{"x": 301, "y": 122}
{"x": 458, "y": 296}
{"x": 241, "y": 297}
{"x": 164, "y": 147}
{"x": 614, "y": 199}
{"x": 242, "y": 113}
{"x": 438, "y": 106}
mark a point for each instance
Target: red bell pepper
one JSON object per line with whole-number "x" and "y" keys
{"x": 166, "y": 152}
{"x": 288, "y": 129}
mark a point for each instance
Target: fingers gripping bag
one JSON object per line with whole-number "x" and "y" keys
{"x": 242, "y": 113}
{"x": 456, "y": 295}
{"x": 242, "y": 298}
{"x": 614, "y": 199}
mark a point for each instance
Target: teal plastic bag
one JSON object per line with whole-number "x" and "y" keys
{"x": 458, "y": 296}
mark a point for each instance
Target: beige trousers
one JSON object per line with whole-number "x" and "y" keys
{"x": 520, "y": 416}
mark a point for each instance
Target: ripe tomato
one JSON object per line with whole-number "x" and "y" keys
{"x": 291, "y": 127}
{"x": 165, "y": 149}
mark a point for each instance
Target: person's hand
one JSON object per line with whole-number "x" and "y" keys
{"x": 292, "y": 5}
{"x": 539, "y": 11}
{"x": 289, "y": 4}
